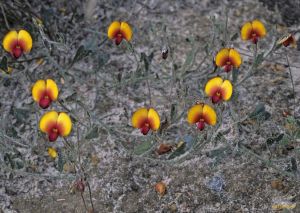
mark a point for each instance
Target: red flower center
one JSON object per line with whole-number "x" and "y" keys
{"x": 17, "y": 51}
{"x": 216, "y": 97}
{"x": 145, "y": 128}
{"x": 254, "y": 38}
{"x": 228, "y": 66}
{"x": 45, "y": 102}
{"x": 118, "y": 38}
{"x": 201, "y": 124}
{"x": 53, "y": 134}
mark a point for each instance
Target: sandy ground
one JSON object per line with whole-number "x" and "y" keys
{"x": 219, "y": 177}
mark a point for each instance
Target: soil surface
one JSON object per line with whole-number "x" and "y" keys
{"x": 221, "y": 176}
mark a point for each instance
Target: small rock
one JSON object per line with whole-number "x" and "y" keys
{"x": 173, "y": 207}
{"x": 164, "y": 148}
{"x": 69, "y": 168}
{"x": 216, "y": 184}
{"x": 160, "y": 187}
{"x": 277, "y": 184}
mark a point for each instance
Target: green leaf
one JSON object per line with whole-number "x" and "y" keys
{"x": 259, "y": 59}
{"x": 143, "y": 147}
{"x": 179, "y": 151}
{"x": 234, "y": 37}
{"x": 235, "y": 73}
{"x": 61, "y": 160}
{"x": 189, "y": 61}
{"x": 260, "y": 113}
{"x": 102, "y": 59}
{"x": 80, "y": 54}
{"x": 3, "y": 64}
{"x": 173, "y": 111}
{"x": 277, "y": 138}
{"x": 92, "y": 133}
{"x": 21, "y": 114}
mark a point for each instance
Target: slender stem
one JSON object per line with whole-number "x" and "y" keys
{"x": 226, "y": 26}
{"x": 90, "y": 193}
{"x": 149, "y": 93}
{"x": 5, "y": 19}
{"x": 83, "y": 201}
{"x": 252, "y": 68}
{"x": 293, "y": 85}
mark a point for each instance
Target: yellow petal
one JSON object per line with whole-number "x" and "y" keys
{"x": 47, "y": 121}
{"x": 139, "y": 117}
{"x": 226, "y": 89}
{"x": 25, "y": 40}
{"x": 222, "y": 57}
{"x": 64, "y": 124}
{"x": 52, "y": 152}
{"x": 126, "y": 31}
{"x": 212, "y": 85}
{"x": 38, "y": 90}
{"x": 154, "y": 119}
{"x": 10, "y": 40}
{"x": 259, "y": 28}
{"x": 246, "y": 31}
{"x": 210, "y": 115}
{"x": 52, "y": 89}
{"x": 113, "y": 29}
{"x": 194, "y": 113}
{"x": 235, "y": 58}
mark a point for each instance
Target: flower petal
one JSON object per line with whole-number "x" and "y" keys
{"x": 222, "y": 57}
{"x": 38, "y": 90}
{"x": 126, "y": 31}
{"x": 212, "y": 85}
{"x": 209, "y": 115}
{"x": 113, "y": 29}
{"x": 226, "y": 90}
{"x": 10, "y": 39}
{"x": 139, "y": 117}
{"x": 246, "y": 31}
{"x": 25, "y": 40}
{"x": 259, "y": 28}
{"x": 235, "y": 58}
{"x": 153, "y": 119}
{"x": 64, "y": 124}
{"x": 194, "y": 113}
{"x": 52, "y": 89}
{"x": 48, "y": 121}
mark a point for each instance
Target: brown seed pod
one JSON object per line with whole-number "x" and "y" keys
{"x": 164, "y": 52}
{"x": 286, "y": 113}
{"x": 288, "y": 40}
{"x": 80, "y": 186}
{"x": 161, "y": 188}
{"x": 164, "y": 148}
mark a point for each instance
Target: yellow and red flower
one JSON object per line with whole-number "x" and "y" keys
{"x": 201, "y": 114}
{"x": 145, "y": 119}
{"x": 287, "y": 41}
{"x": 253, "y": 31}
{"x": 218, "y": 89}
{"x": 17, "y": 43}
{"x": 44, "y": 92}
{"x": 119, "y": 31}
{"x": 56, "y": 124}
{"x": 228, "y": 58}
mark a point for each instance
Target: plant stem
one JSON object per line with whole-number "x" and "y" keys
{"x": 293, "y": 86}
{"x": 90, "y": 193}
{"x": 83, "y": 201}
{"x": 4, "y": 16}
